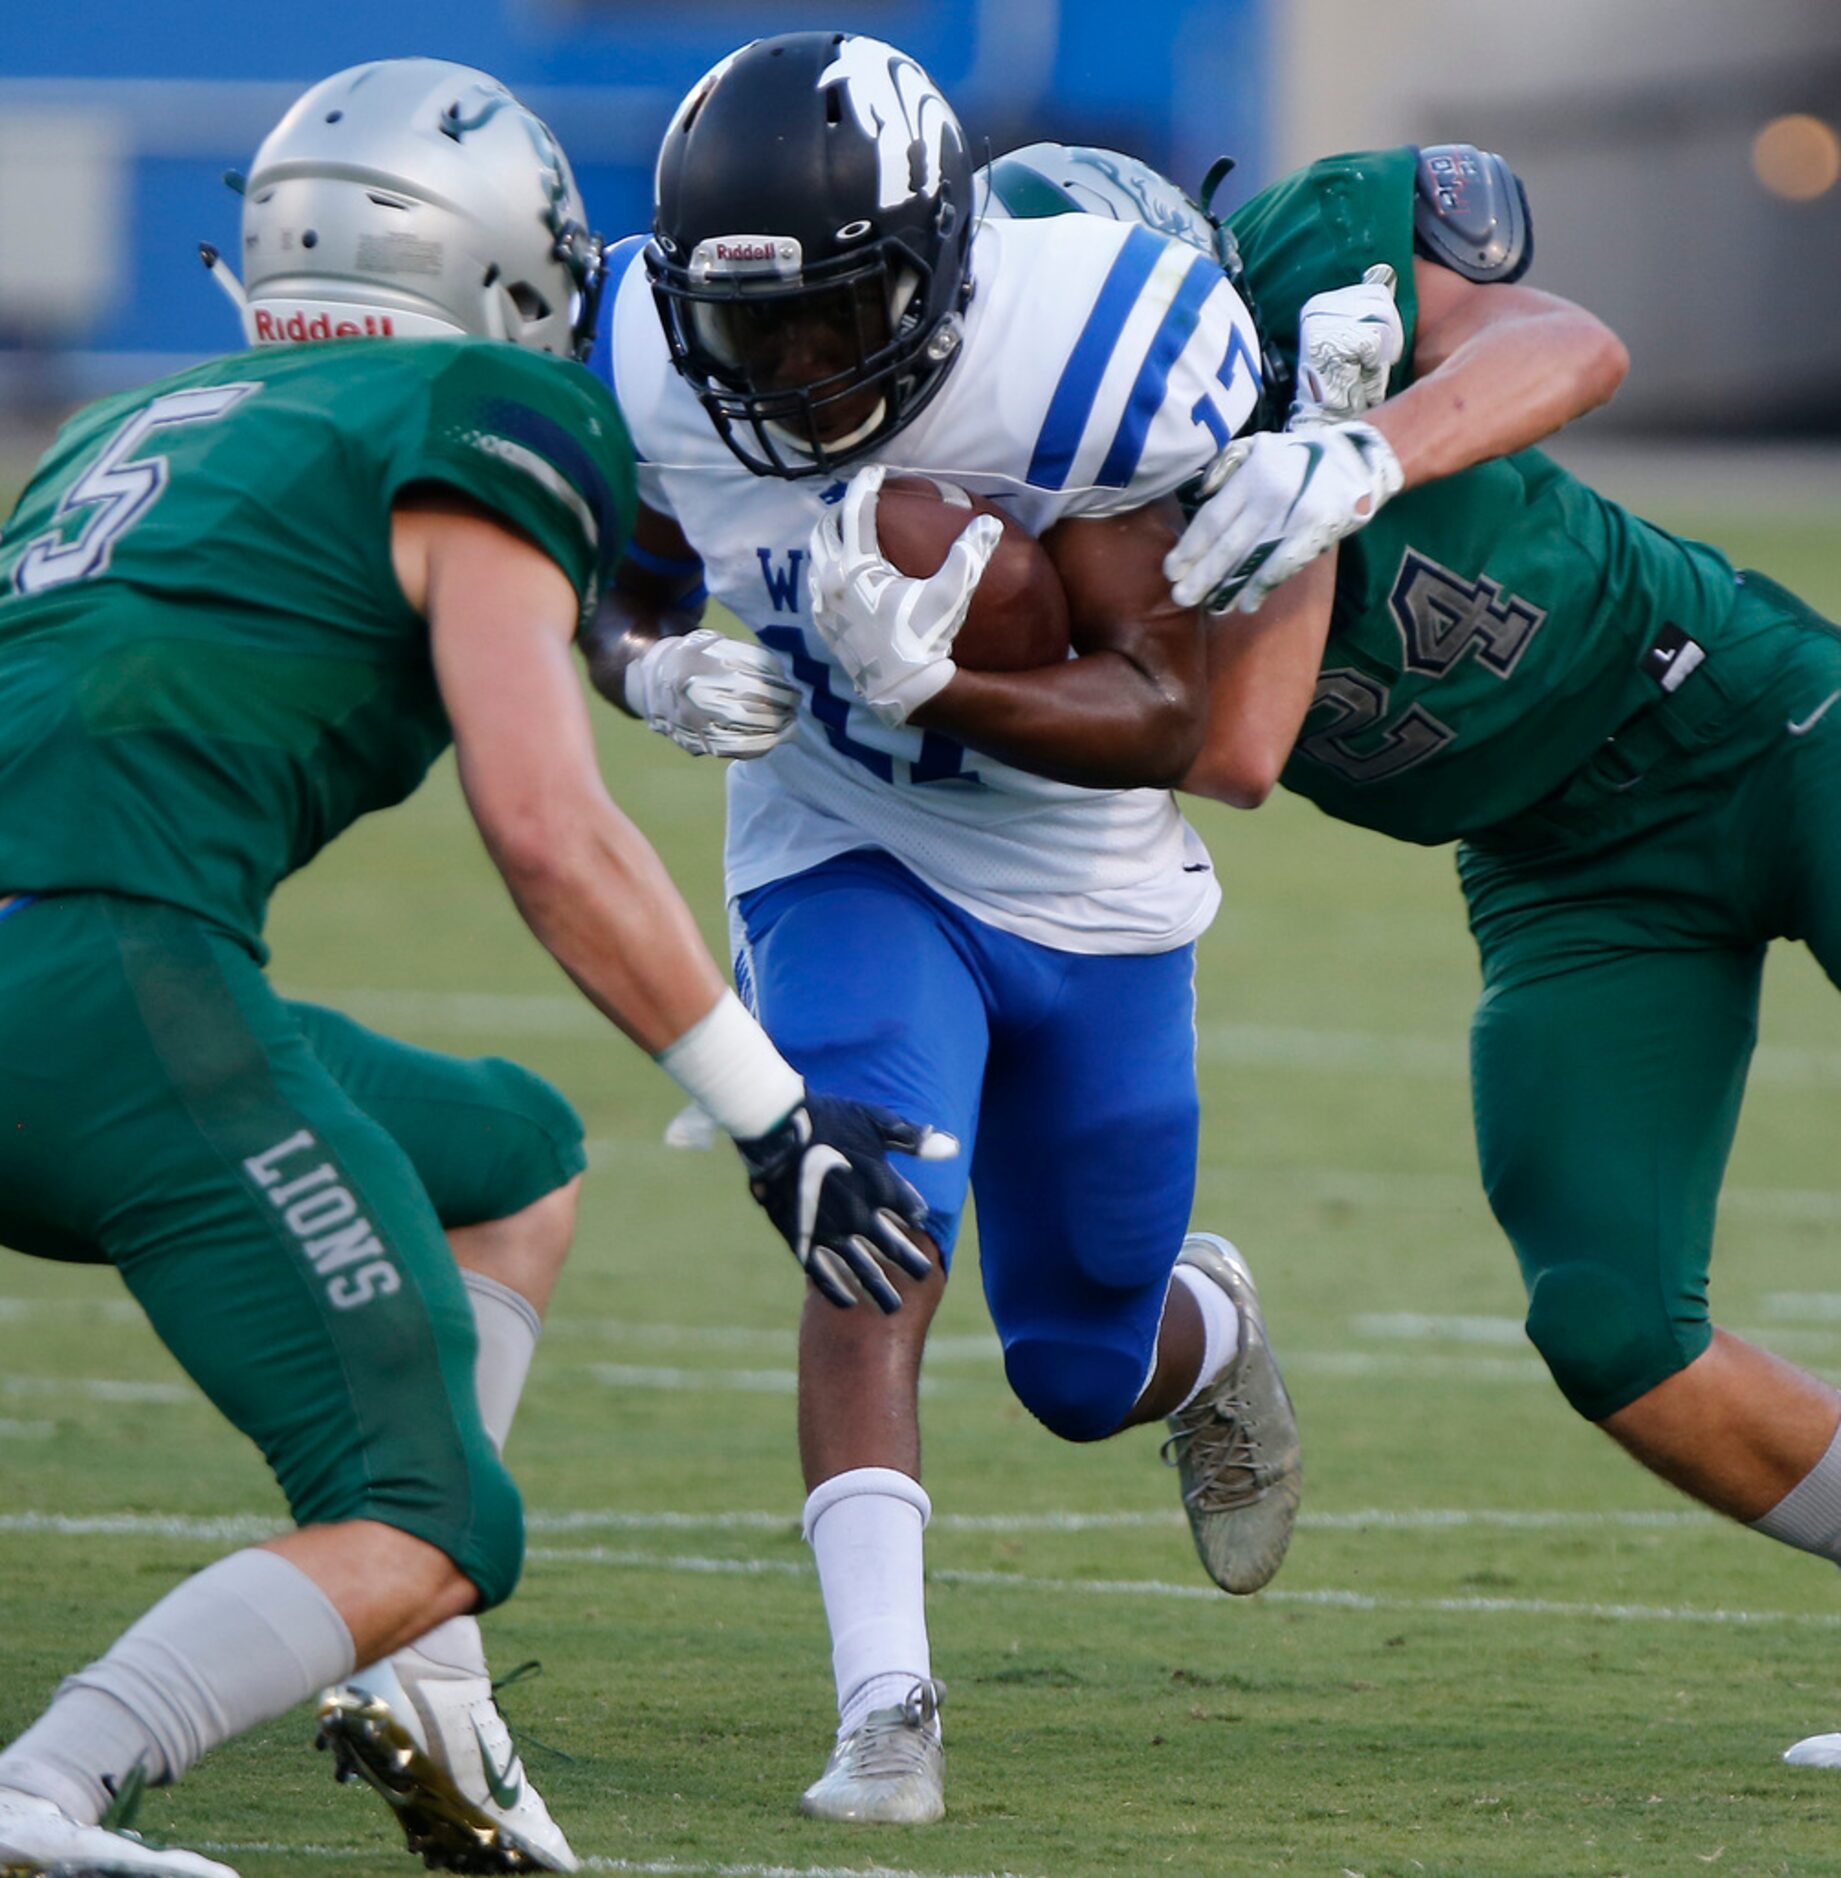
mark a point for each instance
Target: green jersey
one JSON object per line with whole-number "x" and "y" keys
{"x": 1488, "y": 629}
{"x": 207, "y": 669}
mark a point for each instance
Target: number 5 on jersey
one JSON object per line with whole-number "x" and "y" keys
{"x": 118, "y": 488}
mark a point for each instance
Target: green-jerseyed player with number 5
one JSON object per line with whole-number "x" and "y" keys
{"x": 239, "y": 609}
{"x": 1638, "y": 749}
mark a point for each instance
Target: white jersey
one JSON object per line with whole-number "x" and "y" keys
{"x": 1103, "y": 366}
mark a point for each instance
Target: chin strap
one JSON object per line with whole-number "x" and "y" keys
{"x": 861, "y": 434}
{"x": 219, "y": 270}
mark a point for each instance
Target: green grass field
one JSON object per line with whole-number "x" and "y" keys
{"x": 1497, "y": 1646}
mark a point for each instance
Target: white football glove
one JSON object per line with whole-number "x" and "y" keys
{"x": 892, "y": 634}
{"x": 712, "y": 696}
{"x": 1274, "y": 502}
{"x": 1348, "y": 341}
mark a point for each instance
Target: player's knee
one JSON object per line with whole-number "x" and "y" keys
{"x": 1079, "y": 1391}
{"x": 444, "y": 1486}
{"x": 490, "y": 1547}
{"x": 547, "y": 1152}
{"x": 478, "y": 1524}
{"x": 1604, "y": 1342}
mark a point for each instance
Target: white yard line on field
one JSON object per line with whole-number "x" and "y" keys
{"x": 110, "y": 1310}
{"x": 1261, "y": 1046}
{"x": 716, "y": 1381}
{"x": 982, "y": 1348}
{"x": 674, "y": 1868}
{"x": 100, "y": 1389}
{"x": 1426, "y": 1327}
{"x": 1823, "y": 1306}
{"x": 1362, "y": 1365}
{"x": 978, "y": 1346}
{"x": 639, "y": 1867}
{"x": 1398, "y": 1189}
{"x": 233, "y": 1528}
{"x": 1326, "y": 1597}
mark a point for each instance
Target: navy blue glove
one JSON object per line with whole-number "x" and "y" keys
{"x": 823, "y": 1176}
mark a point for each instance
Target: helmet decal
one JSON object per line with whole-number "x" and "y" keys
{"x": 455, "y": 125}
{"x": 1160, "y": 204}
{"x": 901, "y": 110}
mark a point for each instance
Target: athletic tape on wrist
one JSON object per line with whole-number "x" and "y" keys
{"x": 727, "y": 1063}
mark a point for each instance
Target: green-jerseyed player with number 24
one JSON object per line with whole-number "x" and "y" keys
{"x": 238, "y": 609}
{"x": 1637, "y": 748}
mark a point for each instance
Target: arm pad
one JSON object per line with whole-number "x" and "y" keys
{"x": 1470, "y": 214}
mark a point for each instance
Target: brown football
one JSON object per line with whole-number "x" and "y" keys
{"x": 1019, "y": 615}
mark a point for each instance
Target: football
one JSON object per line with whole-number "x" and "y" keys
{"x": 1019, "y": 615}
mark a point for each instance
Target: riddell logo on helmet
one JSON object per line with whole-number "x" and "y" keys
{"x": 298, "y": 326}
{"x": 746, "y": 254}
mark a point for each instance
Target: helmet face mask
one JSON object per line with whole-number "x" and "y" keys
{"x": 416, "y": 197}
{"x": 827, "y": 328}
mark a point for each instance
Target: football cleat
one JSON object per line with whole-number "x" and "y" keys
{"x": 38, "y": 1840}
{"x": 1236, "y": 1444}
{"x": 890, "y": 1770}
{"x": 445, "y": 1764}
{"x": 1816, "y": 1751}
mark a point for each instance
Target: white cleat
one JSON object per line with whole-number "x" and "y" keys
{"x": 37, "y": 1840}
{"x": 445, "y": 1763}
{"x": 890, "y": 1770}
{"x": 1236, "y": 1444}
{"x": 1816, "y": 1751}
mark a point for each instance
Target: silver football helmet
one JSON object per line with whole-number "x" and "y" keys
{"x": 1058, "y": 178}
{"x": 414, "y": 197}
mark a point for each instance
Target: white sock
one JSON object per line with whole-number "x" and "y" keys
{"x": 864, "y": 1528}
{"x": 1809, "y": 1515}
{"x": 508, "y": 1328}
{"x": 1220, "y": 1326}
{"x": 242, "y": 1641}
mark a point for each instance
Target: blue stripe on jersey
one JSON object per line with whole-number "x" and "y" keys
{"x": 614, "y": 262}
{"x": 1072, "y": 404}
{"x": 1166, "y": 348}
{"x": 18, "y": 904}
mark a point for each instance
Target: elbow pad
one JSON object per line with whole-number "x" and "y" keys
{"x": 1470, "y": 214}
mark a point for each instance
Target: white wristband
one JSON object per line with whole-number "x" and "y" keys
{"x": 727, "y": 1063}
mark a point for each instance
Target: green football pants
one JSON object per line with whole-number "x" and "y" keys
{"x": 272, "y": 1181}
{"x": 1622, "y": 926}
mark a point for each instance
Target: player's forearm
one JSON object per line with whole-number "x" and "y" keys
{"x": 1101, "y": 721}
{"x": 1502, "y": 388}
{"x": 1262, "y": 674}
{"x": 591, "y": 888}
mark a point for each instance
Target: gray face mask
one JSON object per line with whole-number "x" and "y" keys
{"x": 413, "y": 198}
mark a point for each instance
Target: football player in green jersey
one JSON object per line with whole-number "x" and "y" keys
{"x": 1635, "y": 746}
{"x": 239, "y": 609}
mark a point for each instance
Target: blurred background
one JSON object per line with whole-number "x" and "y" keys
{"x": 1683, "y": 156}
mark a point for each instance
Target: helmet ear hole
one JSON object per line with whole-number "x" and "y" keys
{"x": 530, "y": 303}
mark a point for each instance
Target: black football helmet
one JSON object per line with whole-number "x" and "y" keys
{"x": 811, "y": 249}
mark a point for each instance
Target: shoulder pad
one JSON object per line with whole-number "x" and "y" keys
{"x": 1470, "y": 214}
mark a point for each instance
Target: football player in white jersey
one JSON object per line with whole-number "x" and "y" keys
{"x": 968, "y": 895}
